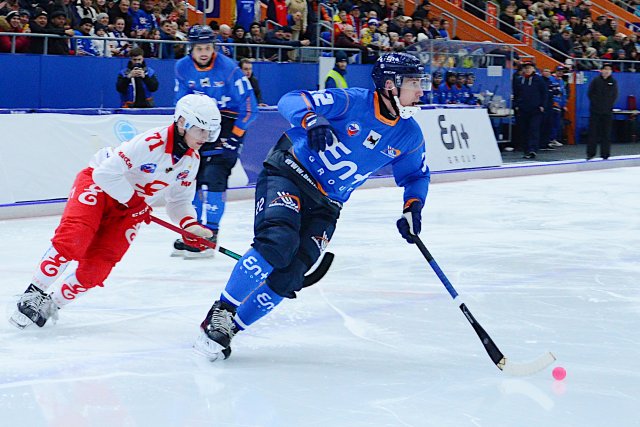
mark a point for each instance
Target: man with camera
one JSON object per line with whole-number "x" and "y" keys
{"x": 137, "y": 82}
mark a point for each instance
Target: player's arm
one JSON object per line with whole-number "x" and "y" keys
{"x": 179, "y": 198}
{"x": 245, "y": 99}
{"x": 110, "y": 175}
{"x": 181, "y": 87}
{"x": 298, "y": 105}
{"x": 410, "y": 171}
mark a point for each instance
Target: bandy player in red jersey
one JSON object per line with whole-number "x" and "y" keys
{"x": 110, "y": 199}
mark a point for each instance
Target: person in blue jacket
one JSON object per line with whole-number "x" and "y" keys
{"x": 137, "y": 82}
{"x": 339, "y": 137}
{"x": 218, "y": 76}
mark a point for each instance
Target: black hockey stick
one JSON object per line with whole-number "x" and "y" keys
{"x": 309, "y": 279}
{"x": 492, "y": 349}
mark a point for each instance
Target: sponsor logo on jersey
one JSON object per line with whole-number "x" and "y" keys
{"x": 183, "y": 174}
{"x": 124, "y": 130}
{"x": 218, "y": 84}
{"x": 321, "y": 241}
{"x": 191, "y": 84}
{"x": 185, "y": 183}
{"x": 391, "y": 152}
{"x": 353, "y": 129}
{"x": 126, "y": 159}
{"x": 148, "y": 167}
{"x": 286, "y": 200}
{"x": 372, "y": 140}
{"x": 205, "y": 82}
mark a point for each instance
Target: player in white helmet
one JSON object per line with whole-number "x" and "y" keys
{"x": 111, "y": 198}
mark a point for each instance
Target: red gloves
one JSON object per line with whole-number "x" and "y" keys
{"x": 138, "y": 210}
{"x": 200, "y": 231}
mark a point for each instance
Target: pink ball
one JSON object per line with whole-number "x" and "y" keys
{"x": 559, "y": 373}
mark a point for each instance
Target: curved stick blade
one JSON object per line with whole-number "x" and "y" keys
{"x": 527, "y": 368}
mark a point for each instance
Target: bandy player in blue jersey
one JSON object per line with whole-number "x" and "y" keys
{"x": 207, "y": 72}
{"x": 339, "y": 137}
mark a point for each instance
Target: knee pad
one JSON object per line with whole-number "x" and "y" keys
{"x": 278, "y": 243}
{"x": 286, "y": 282}
{"x": 92, "y": 272}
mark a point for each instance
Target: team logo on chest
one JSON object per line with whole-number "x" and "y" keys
{"x": 372, "y": 140}
{"x": 353, "y": 129}
{"x": 205, "y": 82}
{"x": 218, "y": 84}
{"x": 148, "y": 167}
{"x": 182, "y": 175}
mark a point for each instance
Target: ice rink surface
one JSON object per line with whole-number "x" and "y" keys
{"x": 545, "y": 263}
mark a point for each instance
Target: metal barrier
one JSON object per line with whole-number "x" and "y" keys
{"x": 258, "y": 48}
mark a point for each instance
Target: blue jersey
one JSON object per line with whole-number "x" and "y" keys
{"x": 222, "y": 81}
{"x": 448, "y": 94}
{"x": 366, "y": 142}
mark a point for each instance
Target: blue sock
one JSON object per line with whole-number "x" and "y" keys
{"x": 197, "y": 203}
{"x": 214, "y": 209}
{"x": 260, "y": 303}
{"x": 248, "y": 274}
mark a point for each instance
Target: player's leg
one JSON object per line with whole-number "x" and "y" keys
{"x": 276, "y": 241}
{"x": 79, "y": 223}
{"x": 111, "y": 242}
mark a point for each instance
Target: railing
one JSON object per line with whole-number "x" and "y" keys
{"x": 322, "y": 24}
{"x": 257, "y": 48}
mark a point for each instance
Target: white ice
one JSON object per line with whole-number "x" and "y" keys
{"x": 545, "y": 263}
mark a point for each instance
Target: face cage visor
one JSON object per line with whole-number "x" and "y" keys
{"x": 414, "y": 82}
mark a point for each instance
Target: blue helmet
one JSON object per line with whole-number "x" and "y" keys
{"x": 395, "y": 66}
{"x": 201, "y": 34}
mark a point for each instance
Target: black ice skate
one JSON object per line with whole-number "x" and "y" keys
{"x": 180, "y": 249}
{"x": 218, "y": 329}
{"x": 34, "y": 306}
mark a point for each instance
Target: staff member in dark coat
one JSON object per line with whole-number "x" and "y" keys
{"x": 529, "y": 99}
{"x": 603, "y": 92}
{"x": 137, "y": 82}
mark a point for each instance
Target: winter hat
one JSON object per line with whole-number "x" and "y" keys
{"x": 11, "y": 15}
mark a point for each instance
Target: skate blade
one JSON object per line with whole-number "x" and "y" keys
{"x": 177, "y": 253}
{"x": 210, "y": 350}
{"x": 207, "y": 253}
{"x": 19, "y": 320}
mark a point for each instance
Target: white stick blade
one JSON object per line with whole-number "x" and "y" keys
{"x": 527, "y": 368}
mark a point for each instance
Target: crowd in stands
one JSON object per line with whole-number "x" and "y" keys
{"x": 565, "y": 30}
{"x": 369, "y": 26}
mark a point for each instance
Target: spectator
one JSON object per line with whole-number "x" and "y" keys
{"x": 39, "y": 25}
{"x": 355, "y": 21}
{"x": 299, "y": 6}
{"x": 103, "y": 19}
{"x": 246, "y": 66}
{"x": 422, "y": 11}
{"x": 224, "y": 36}
{"x": 281, "y": 36}
{"x": 145, "y": 16}
{"x": 101, "y": 6}
{"x": 529, "y": 98}
{"x": 408, "y": 38}
{"x": 137, "y": 82}
{"x": 603, "y": 93}
{"x": 277, "y": 11}
{"x": 122, "y": 11}
{"x": 167, "y": 32}
{"x": 380, "y": 7}
{"x": 25, "y": 17}
{"x": 562, "y": 44}
{"x": 71, "y": 13}
{"x": 152, "y": 50}
{"x": 239, "y": 37}
{"x": 255, "y": 36}
{"x": 12, "y": 25}
{"x": 347, "y": 40}
{"x": 57, "y": 25}
{"x": 336, "y": 77}
{"x": 508, "y": 22}
{"x": 85, "y": 47}
{"x": 101, "y": 46}
{"x": 118, "y": 47}
{"x": 86, "y": 10}
{"x": 444, "y": 29}
{"x": 590, "y": 62}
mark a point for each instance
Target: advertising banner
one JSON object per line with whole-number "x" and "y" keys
{"x": 41, "y": 153}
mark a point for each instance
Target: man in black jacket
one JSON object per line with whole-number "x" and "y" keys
{"x": 40, "y": 25}
{"x": 603, "y": 92}
{"x": 529, "y": 99}
{"x": 137, "y": 82}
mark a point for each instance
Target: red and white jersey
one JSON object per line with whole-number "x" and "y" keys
{"x": 145, "y": 164}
